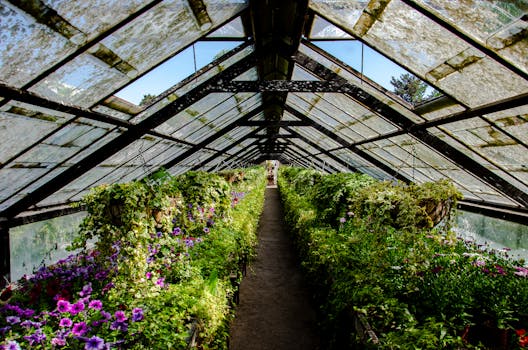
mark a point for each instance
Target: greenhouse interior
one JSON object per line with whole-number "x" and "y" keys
{"x": 273, "y": 174}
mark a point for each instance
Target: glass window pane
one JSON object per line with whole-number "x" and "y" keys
{"x": 41, "y": 243}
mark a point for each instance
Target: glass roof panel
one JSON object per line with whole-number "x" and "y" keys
{"x": 175, "y": 69}
{"x": 299, "y": 73}
{"x": 490, "y": 148}
{"x": 218, "y": 117}
{"x": 112, "y": 112}
{"x": 495, "y": 24}
{"x": 436, "y": 113}
{"x": 322, "y": 29}
{"x": 351, "y": 9}
{"x": 434, "y": 53}
{"x": 483, "y": 82}
{"x": 143, "y": 44}
{"x": 24, "y": 174}
{"x": 317, "y": 137}
{"x": 514, "y": 121}
{"x": 83, "y": 82}
{"x": 355, "y": 78}
{"x": 21, "y": 55}
{"x": 233, "y": 29}
{"x": 33, "y": 122}
{"x": 189, "y": 84}
{"x": 413, "y": 158}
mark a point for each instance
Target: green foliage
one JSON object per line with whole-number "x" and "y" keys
{"x": 171, "y": 246}
{"x": 411, "y": 88}
{"x": 419, "y": 286}
{"x": 147, "y": 99}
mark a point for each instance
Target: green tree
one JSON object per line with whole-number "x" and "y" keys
{"x": 409, "y": 87}
{"x": 147, "y": 99}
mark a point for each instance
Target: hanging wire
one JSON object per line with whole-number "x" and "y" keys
{"x": 195, "y": 66}
{"x": 362, "y": 61}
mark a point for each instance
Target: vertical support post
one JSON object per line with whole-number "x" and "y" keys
{"x": 5, "y": 255}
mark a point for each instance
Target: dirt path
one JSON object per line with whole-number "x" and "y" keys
{"x": 274, "y": 311}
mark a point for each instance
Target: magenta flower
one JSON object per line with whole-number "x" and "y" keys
{"x": 76, "y": 308}
{"x": 80, "y": 329}
{"x": 95, "y": 305}
{"x": 65, "y": 322}
{"x": 63, "y": 306}
{"x": 94, "y": 343}
{"x": 148, "y": 275}
{"x": 120, "y": 316}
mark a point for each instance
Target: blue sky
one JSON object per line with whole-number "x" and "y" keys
{"x": 375, "y": 66}
{"x": 174, "y": 70}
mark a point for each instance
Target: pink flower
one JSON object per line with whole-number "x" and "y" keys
{"x": 521, "y": 271}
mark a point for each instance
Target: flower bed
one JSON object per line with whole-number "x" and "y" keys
{"x": 163, "y": 274}
{"x": 370, "y": 248}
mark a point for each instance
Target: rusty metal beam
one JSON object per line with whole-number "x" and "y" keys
{"x": 282, "y": 86}
{"x": 280, "y": 124}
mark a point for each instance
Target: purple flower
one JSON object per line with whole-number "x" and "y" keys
{"x": 137, "y": 314}
{"x": 120, "y": 316}
{"x": 160, "y": 281}
{"x": 94, "y": 343}
{"x": 206, "y": 229}
{"x": 106, "y": 315}
{"x": 77, "y": 307}
{"x": 119, "y": 326}
{"x": 342, "y": 220}
{"x": 35, "y": 338}
{"x": 176, "y": 231}
{"x": 63, "y": 306}
{"x": 109, "y": 286}
{"x": 65, "y": 322}
{"x": 80, "y": 329}
{"x": 13, "y": 319}
{"x": 3, "y": 330}
{"x": 95, "y": 305}
{"x": 158, "y": 234}
{"x": 148, "y": 275}
{"x": 350, "y": 213}
{"x": 86, "y": 291}
{"x": 12, "y": 345}
{"x": 28, "y": 324}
